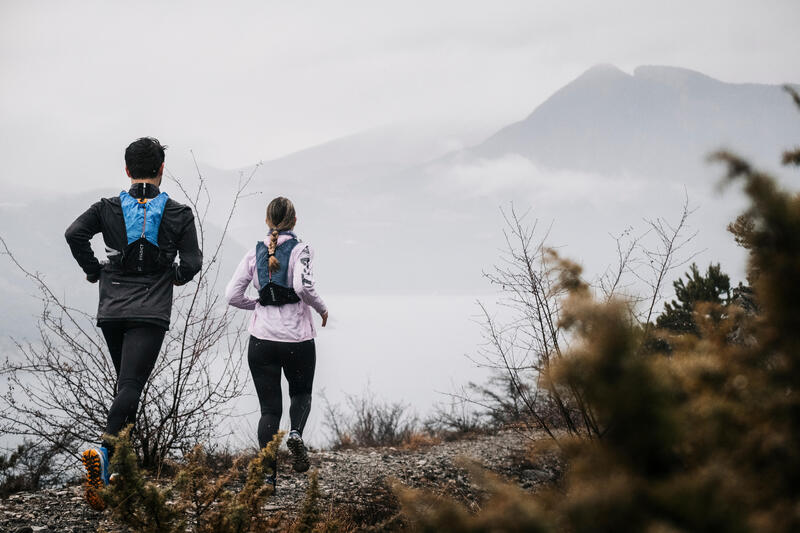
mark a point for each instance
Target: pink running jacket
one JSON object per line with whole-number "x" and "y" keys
{"x": 285, "y": 323}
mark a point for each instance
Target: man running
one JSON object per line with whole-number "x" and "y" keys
{"x": 144, "y": 230}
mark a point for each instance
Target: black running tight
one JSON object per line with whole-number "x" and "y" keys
{"x": 266, "y": 359}
{"x": 134, "y": 348}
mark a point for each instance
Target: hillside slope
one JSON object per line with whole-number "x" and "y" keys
{"x": 354, "y": 479}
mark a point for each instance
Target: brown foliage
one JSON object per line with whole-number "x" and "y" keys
{"x": 194, "y": 501}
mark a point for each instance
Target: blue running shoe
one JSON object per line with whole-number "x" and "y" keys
{"x": 95, "y": 460}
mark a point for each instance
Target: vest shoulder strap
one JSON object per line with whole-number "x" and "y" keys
{"x": 262, "y": 263}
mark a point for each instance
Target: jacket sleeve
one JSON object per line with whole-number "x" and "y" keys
{"x": 189, "y": 254}
{"x": 303, "y": 280}
{"x": 235, "y": 291}
{"x": 78, "y": 235}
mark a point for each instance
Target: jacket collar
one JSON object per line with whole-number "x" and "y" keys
{"x": 283, "y": 232}
{"x": 144, "y": 190}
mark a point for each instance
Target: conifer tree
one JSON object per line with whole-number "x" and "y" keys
{"x": 713, "y": 287}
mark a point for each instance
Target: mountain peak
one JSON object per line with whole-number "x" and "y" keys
{"x": 673, "y": 76}
{"x": 614, "y": 123}
{"x": 603, "y": 71}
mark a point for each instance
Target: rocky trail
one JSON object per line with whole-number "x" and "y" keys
{"x": 354, "y": 478}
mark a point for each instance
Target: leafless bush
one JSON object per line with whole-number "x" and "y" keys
{"x": 30, "y": 466}
{"x": 60, "y": 387}
{"x": 455, "y": 419}
{"x": 369, "y": 422}
{"x": 521, "y": 350}
{"x": 661, "y": 258}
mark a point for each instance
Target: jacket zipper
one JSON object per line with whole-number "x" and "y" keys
{"x": 142, "y": 284}
{"x": 144, "y": 223}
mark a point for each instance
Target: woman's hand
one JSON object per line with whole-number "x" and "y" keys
{"x": 324, "y": 318}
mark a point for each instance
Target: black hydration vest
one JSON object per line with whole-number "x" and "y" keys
{"x": 276, "y": 288}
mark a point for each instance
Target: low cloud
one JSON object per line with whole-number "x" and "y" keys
{"x": 515, "y": 173}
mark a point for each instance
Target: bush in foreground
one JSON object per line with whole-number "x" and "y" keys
{"x": 195, "y": 501}
{"x": 200, "y": 499}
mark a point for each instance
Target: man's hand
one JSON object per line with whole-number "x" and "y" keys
{"x": 176, "y": 277}
{"x": 324, "y": 318}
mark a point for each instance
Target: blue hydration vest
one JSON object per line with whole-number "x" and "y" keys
{"x": 276, "y": 289}
{"x": 142, "y": 220}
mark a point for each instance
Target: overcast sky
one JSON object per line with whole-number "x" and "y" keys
{"x": 244, "y": 81}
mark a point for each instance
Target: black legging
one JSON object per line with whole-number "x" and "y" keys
{"x": 134, "y": 348}
{"x": 298, "y": 359}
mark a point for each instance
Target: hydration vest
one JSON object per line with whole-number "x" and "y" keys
{"x": 275, "y": 287}
{"x": 142, "y": 220}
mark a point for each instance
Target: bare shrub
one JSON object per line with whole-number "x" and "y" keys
{"x": 369, "y": 422}
{"x": 521, "y": 350}
{"x": 456, "y": 419}
{"x": 31, "y": 466}
{"x": 60, "y": 387}
{"x": 660, "y": 259}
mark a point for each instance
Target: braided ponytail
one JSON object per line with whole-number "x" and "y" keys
{"x": 274, "y": 264}
{"x": 280, "y": 217}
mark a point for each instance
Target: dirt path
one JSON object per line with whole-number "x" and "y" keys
{"x": 352, "y": 477}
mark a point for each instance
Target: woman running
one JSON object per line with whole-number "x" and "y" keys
{"x": 281, "y": 326}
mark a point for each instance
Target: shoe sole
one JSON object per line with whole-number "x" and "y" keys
{"x": 300, "y": 461}
{"x": 92, "y": 462}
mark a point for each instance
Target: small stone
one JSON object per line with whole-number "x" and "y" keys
{"x": 535, "y": 475}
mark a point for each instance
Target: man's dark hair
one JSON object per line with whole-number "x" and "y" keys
{"x": 144, "y": 157}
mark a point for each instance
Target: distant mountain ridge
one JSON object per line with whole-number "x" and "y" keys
{"x": 409, "y": 207}
{"x": 659, "y": 122}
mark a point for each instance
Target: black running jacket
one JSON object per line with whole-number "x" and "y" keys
{"x": 136, "y": 297}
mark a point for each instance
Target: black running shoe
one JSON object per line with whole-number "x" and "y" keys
{"x": 299, "y": 453}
